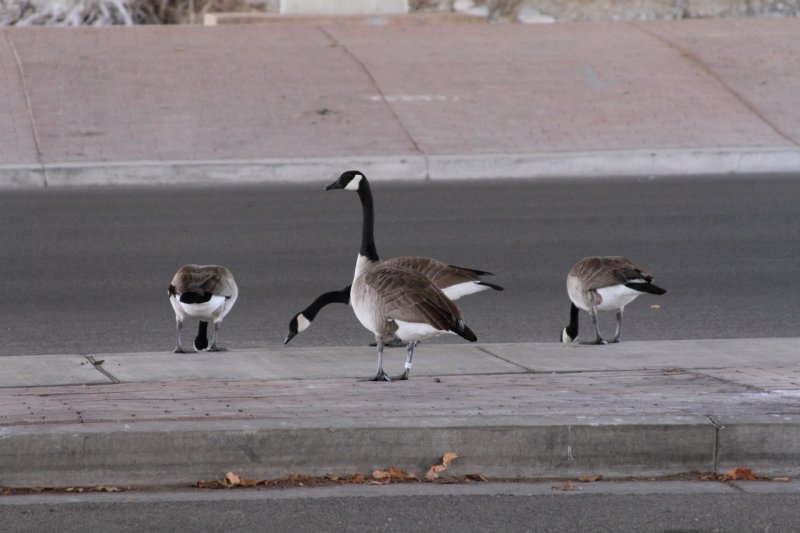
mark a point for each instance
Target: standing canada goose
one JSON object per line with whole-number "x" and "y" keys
{"x": 391, "y": 299}
{"x": 604, "y": 284}
{"x": 206, "y": 292}
{"x": 454, "y": 281}
{"x": 395, "y": 302}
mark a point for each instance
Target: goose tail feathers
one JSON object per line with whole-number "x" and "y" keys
{"x": 646, "y": 287}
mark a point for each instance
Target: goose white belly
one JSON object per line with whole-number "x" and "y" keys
{"x": 210, "y": 310}
{"x": 414, "y": 331}
{"x": 616, "y": 297}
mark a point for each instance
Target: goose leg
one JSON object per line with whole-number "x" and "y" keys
{"x": 381, "y": 375}
{"x": 410, "y": 349}
{"x": 178, "y": 327}
{"x": 619, "y": 325}
{"x": 598, "y": 339}
{"x": 214, "y": 347}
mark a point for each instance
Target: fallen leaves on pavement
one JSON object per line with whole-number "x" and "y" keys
{"x": 567, "y": 485}
{"x": 435, "y": 470}
{"x": 733, "y": 474}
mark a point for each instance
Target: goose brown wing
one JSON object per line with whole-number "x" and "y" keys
{"x": 599, "y": 272}
{"x": 411, "y": 297}
{"x": 212, "y": 278}
{"x": 441, "y": 274}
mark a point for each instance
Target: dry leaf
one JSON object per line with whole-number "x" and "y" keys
{"x": 397, "y": 474}
{"x": 381, "y": 475}
{"x": 435, "y": 470}
{"x": 740, "y": 473}
{"x": 476, "y": 477}
{"x": 655, "y": 306}
{"x": 232, "y": 480}
{"x": 780, "y": 479}
{"x": 569, "y": 485}
{"x": 590, "y": 479}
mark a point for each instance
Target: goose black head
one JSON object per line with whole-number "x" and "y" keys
{"x": 350, "y": 180}
{"x": 297, "y": 324}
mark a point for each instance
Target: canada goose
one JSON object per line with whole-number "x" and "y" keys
{"x": 604, "y": 284}
{"x": 454, "y": 281}
{"x": 395, "y": 302}
{"x": 395, "y": 298}
{"x": 206, "y": 292}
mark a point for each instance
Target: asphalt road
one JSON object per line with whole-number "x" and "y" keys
{"x": 622, "y": 507}
{"x": 86, "y": 271}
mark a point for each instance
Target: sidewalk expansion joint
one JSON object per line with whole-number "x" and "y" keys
{"x": 385, "y": 100}
{"x": 730, "y": 90}
{"x": 487, "y": 352}
{"x": 29, "y": 107}
{"x": 98, "y": 365}
{"x": 717, "y": 428}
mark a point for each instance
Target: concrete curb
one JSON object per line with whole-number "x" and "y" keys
{"x": 169, "y": 454}
{"x": 534, "y": 410}
{"x": 625, "y": 163}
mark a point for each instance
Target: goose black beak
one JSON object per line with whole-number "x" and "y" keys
{"x": 289, "y": 337}
{"x": 335, "y": 185}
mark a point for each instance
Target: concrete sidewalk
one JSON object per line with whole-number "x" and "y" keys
{"x": 292, "y": 102}
{"x": 509, "y": 411}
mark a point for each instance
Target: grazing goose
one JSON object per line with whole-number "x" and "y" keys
{"x": 205, "y": 292}
{"x": 604, "y": 284}
{"x": 396, "y": 298}
{"x": 454, "y": 281}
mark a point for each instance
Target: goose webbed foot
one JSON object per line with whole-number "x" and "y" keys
{"x": 178, "y": 349}
{"x": 380, "y": 376}
{"x": 600, "y": 342}
{"x": 402, "y": 377}
{"x": 615, "y": 340}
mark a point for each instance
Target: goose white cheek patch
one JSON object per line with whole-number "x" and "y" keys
{"x": 353, "y": 184}
{"x": 302, "y": 323}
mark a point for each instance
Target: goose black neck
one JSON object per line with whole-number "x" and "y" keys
{"x": 572, "y": 328}
{"x": 367, "y": 232}
{"x": 332, "y": 297}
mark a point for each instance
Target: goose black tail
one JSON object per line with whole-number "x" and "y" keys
{"x": 463, "y": 331}
{"x": 491, "y": 285}
{"x": 195, "y": 297}
{"x": 646, "y": 287}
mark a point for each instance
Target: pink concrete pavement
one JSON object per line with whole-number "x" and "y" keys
{"x": 301, "y": 101}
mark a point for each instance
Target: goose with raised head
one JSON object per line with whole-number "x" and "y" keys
{"x": 454, "y": 281}
{"x": 204, "y": 292}
{"x": 604, "y": 284}
{"x": 395, "y": 300}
